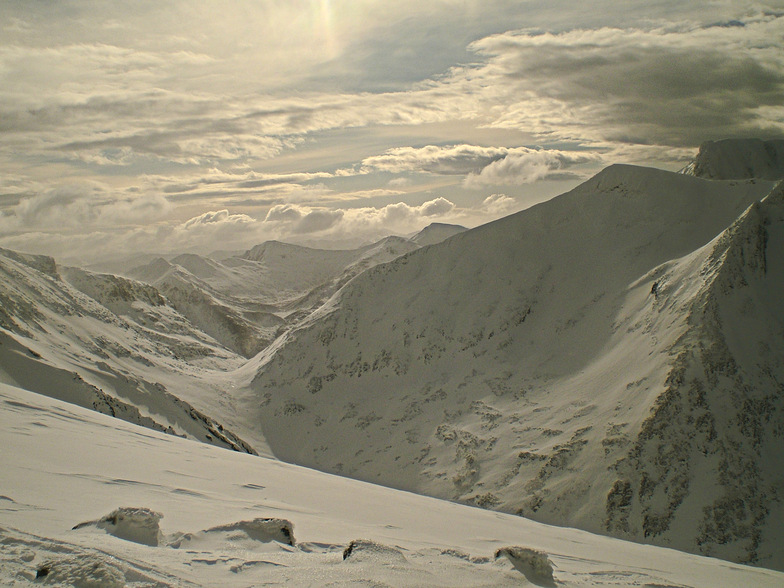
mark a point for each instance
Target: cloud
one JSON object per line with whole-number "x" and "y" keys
{"x": 400, "y": 182}
{"x": 482, "y": 165}
{"x": 217, "y": 217}
{"x": 453, "y": 159}
{"x": 438, "y": 207}
{"x": 104, "y": 97}
{"x": 318, "y": 220}
{"x": 524, "y": 166}
{"x": 152, "y": 112}
{"x": 360, "y": 223}
{"x": 83, "y": 204}
{"x": 498, "y": 204}
{"x": 486, "y": 165}
{"x": 673, "y": 85}
{"x": 283, "y": 213}
{"x": 302, "y": 219}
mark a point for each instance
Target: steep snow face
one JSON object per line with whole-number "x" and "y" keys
{"x": 735, "y": 159}
{"x": 295, "y": 270}
{"x": 707, "y": 461}
{"x": 164, "y": 511}
{"x": 115, "y": 293}
{"x": 112, "y": 345}
{"x": 516, "y": 365}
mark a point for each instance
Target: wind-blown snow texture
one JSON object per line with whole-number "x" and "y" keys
{"x": 610, "y": 359}
{"x": 90, "y": 501}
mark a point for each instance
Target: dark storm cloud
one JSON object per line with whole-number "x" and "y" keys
{"x": 673, "y": 86}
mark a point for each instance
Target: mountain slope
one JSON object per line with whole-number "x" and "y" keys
{"x": 192, "y": 515}
{"x": 737, "y": 159}
{"x": 121, "y": 350}
{"x": 519, "y": 364}
{"x": 435, "y": 233}
{"x": 711, "y": 444}
{"x": 245, "y": 302}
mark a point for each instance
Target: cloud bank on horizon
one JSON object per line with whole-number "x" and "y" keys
{"x": 180, "y": 127}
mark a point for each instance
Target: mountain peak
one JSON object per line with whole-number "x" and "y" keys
{"x": 435, "y": 233}
{"x": 258, "y": 252}
{"x": 42, "y": 263}
{"x": 739, "y": 159}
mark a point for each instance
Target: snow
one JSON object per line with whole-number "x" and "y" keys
{"x": 148, "y": 366}
{"x": 534, "y": 565}
{"x": 610, "y": 359}
{"x": 245, "y": 301}
{"x": 202, "y": 504}
{"x": 527, "y": 364}
{"x": 735, "y": 159}
{"x": 436, "y": 233}
{"x": 140, "y": 525}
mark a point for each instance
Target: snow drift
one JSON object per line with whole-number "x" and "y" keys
{"x": 411, "y": 540}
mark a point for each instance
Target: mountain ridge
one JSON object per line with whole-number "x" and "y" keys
{"x": 428, "y": 385}
{"x": 733, "y": 159}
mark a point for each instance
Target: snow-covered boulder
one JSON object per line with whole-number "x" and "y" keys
{"x": 532, "y": 563}
{"x": 139, "y": 525}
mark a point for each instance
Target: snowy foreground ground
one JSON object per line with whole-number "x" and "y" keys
{"x": 63, "y": 466}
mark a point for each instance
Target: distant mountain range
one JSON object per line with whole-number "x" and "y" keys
{"x": 246, "y": 301}
{"x": 610, "y": 359}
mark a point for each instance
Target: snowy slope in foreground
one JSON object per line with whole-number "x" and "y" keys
{"x": 63, "y": 466}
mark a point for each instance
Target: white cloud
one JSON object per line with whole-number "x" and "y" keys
{"x": 671, "y": 85}
{"x": 453, "y": 159}
{"x": 84, "y": 204}
{"x": 498, "y": 204}
{"x": 317, "y": 221}
{"x": 155, "y": 105}
{"x": 438, "y": 207}
{"x": 360, "y": 223}
{"x": 217, "y": 217}
{"x": 484, "y": 165}
{"x": 400, "y": 182}
{"x": 283, "y": 213}
{"x": 524, "y": 166}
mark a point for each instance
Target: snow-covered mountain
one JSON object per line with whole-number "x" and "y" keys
{"x": 738, "y": 159}
{"x": 112, "y": 345}
{"x": 435, "y": 233}
{"x": 610, "y": 359}
{"x": 160, "y": 355}
{"x": 246, "y": 301}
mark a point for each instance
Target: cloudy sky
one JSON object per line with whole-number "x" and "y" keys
{"x": 168, "y": 125}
